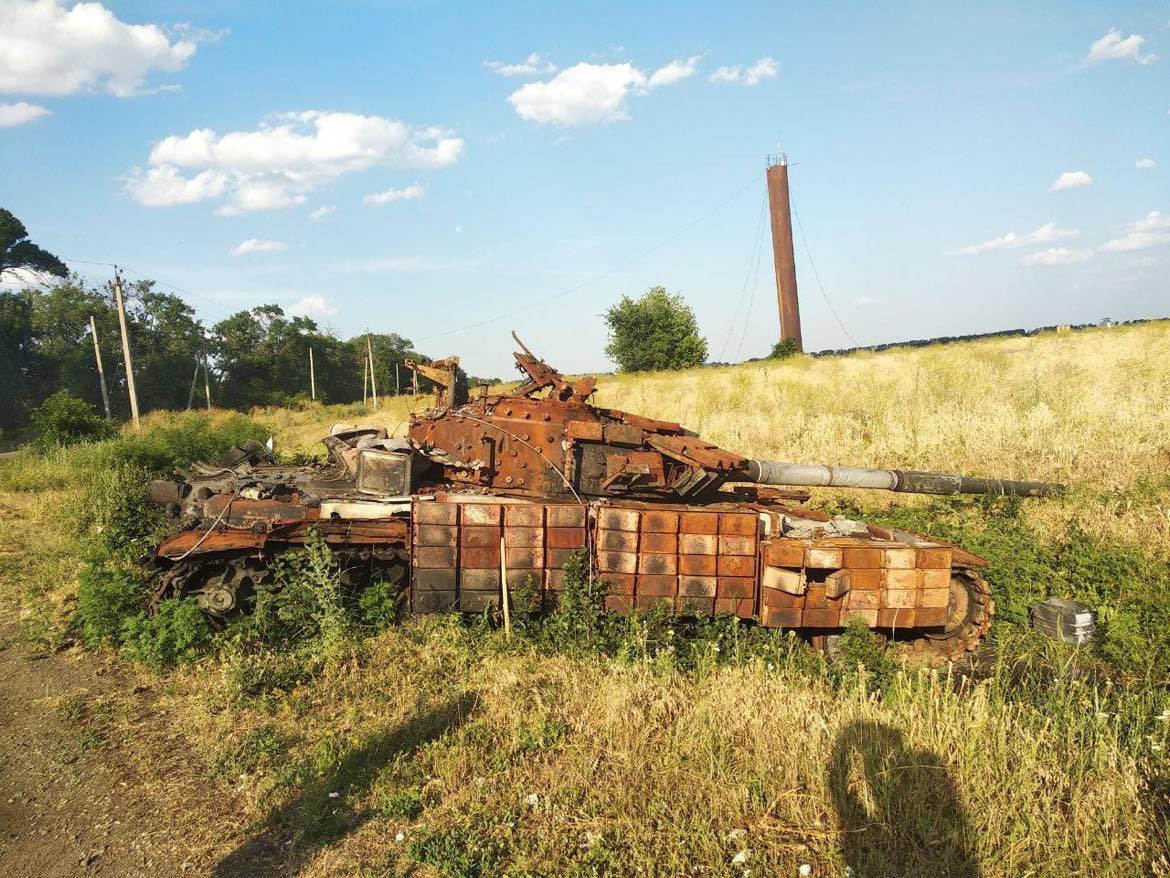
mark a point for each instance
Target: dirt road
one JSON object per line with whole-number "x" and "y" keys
{"x": 75, "y": 796}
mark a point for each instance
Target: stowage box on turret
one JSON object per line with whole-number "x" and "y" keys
{"x": 484, "y": 497}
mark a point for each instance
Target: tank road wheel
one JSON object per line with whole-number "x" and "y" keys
{"x": 221, "y": 586}
{"x": 969, "y": 615}
{"x": 389, "y": 564}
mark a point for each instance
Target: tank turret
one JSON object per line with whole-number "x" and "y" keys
{"x": 545, "y": 439}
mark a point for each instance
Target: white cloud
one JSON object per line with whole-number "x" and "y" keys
{"x": 1114, "y": 47}
{"x": 1070, "y": 180}
{"x": 1045, "y": 234}
{"x": 164, "y": 186}
{"x": 766, "y": 68}
{"x": 1057, "y": 256}
{"x": 276, "y": 165}
{"x": 1153, "y": 230}
{"x": 20, "y": 113}
{"x": 258, "y": 245}
{"x": 48, "y": 48}
{"x": 313, "y": 306}
{"x": 1145, "y": 164}
{"x": 24, "y": 278}
{"x": 534, "y": 64}
{"x": 587, "y": 93}
{"x": 675, "y": 71}
{"x": 321, "y": 212}
{"x": 380, "y": 199}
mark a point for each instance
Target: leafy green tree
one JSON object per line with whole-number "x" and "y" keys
{"x": 18, "y": 254}
{"x": 166, "y": 339}
{"x": 262, "y": 358}
{"x": 390, "y": 349}
{"x": 63, "y": 419}
{"x": 655, "y": 331}
{"x": 17, "y": 355}
{"x": 784, "y": 349}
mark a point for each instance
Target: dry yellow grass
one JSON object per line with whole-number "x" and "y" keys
{"x": 625, "y": 770}
{"x": 553, "y": 765}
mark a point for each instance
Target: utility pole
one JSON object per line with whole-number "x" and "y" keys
{"x": 373, "y": 382}
{"x": 194, "y": 378}
{"x": 782, "y": 254}
{"x": 126, "y": 347}
{"x": 365, "y": 379}
{"x": 97, "y": 353}
{"x": 312, "y": 377}
{"x": 206, "y": 381}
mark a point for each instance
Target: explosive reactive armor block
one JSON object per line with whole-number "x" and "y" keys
{"x": 698, "y": 562}
{"x": 462, "y": 545}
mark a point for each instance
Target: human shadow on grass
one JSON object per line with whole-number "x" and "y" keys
{"x": 897, "y": 807}
{"x": 313, "y": 818}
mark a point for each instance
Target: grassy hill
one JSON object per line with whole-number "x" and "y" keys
{"x": 437, "y": 747}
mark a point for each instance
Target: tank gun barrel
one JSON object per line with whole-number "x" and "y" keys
{"x": 778, "y": 472}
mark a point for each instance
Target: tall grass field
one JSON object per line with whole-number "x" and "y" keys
{"x": 339, "y": 743}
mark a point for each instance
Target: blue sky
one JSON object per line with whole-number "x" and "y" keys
{"x": 422, "y": 167}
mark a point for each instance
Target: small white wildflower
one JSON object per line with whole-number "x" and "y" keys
{"x": 670, "y": 648}
{"x": 740, "y": 858}
{"x": 717, "y": 649}
{"x": 1156, "y": 747}
{"x": 400, "y": 837}
{"x": 735, "y": 834}
{"x": 334, "y": 795}
{"x": 805, "y": 869}
{"x": 532, "y": 800}
{"x": 848, "y": 872}
{"x": 1163, "y": 717}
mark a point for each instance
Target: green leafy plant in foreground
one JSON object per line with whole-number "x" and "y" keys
{"x": 177, "y": 633}
{"x": 64, "y": 419}
{"x": 106, "y": 599}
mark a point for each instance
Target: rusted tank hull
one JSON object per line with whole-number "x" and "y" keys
{"x": 698, "y": 562}
{"x": 783, "y": 568}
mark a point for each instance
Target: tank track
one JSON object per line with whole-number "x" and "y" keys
{"x": 224, "y": 585}
{"x": 969, "y": 620}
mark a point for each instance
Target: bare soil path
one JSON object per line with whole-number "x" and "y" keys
{"x": 76, "y": 798}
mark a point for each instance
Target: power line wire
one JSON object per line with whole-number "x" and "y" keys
{"x": 226, "y": 307}
{"x": 746, "y": 277}
{"x": 816, "y": 275}
{"x": 538, "y": 302}
{"x": 751, "y": 301}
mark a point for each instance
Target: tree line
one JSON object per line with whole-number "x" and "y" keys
{"x": 256, "y": 357}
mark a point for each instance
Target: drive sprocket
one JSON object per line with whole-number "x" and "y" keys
{"x": 969, "y": 613}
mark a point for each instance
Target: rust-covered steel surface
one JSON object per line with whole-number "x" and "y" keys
{"x": 460, "y": 548}
{"x": 729, "y": 558}
{"x": 505, "y": 488}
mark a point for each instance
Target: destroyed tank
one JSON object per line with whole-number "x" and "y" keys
{"x": 488, "y": 497}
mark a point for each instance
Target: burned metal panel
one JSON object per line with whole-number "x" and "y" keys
{"x": 820, "y": 584}
{"x": 650, "y": 554}
{"x": 461, "y": 545}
